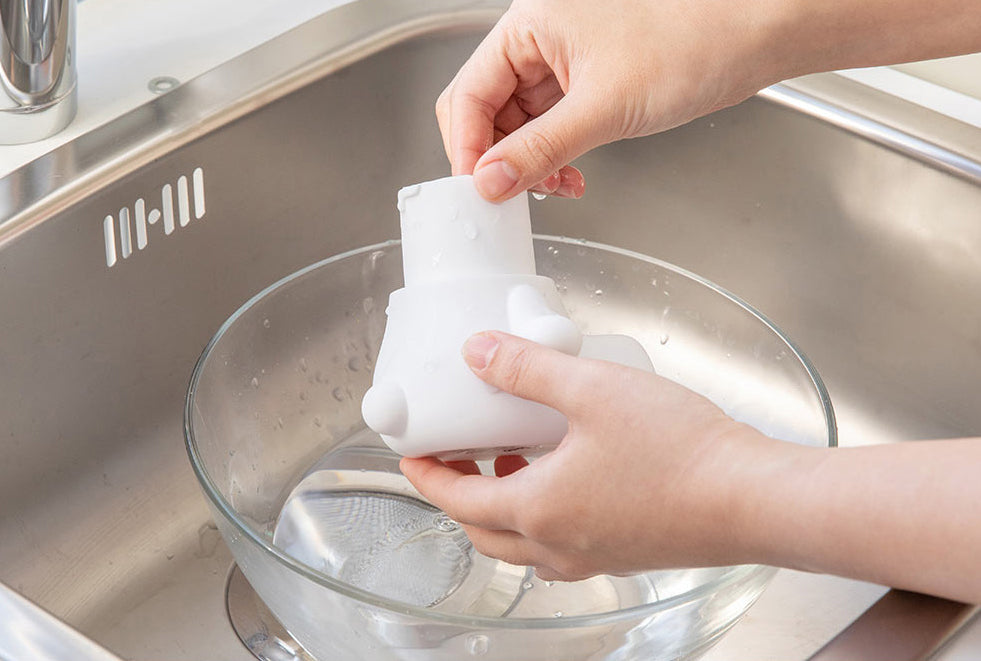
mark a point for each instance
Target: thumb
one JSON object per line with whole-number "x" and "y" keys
{"x": 531, "y": 371}
{"x": 540, "y": 147}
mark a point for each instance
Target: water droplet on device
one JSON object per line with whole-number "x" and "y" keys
{"x": 470, "y": 231}
{"x": 265, "y": 323}
{"x": 255, "y": 382}
{"x": 538, "y": 196}
{"x": 444, "y": 523}
{"x": 478, "y": 644}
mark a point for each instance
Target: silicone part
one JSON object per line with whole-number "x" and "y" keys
{"x": 469, "y": 266}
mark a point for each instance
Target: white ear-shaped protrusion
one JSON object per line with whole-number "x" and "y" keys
{"x": 384, "y": 409}
{"x": 530, "y": 317}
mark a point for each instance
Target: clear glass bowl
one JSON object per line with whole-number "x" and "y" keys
{"x": 274, "y": 402}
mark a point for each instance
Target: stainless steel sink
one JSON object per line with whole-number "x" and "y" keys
{"x": 843, "y": 215}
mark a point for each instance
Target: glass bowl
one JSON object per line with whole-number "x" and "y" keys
{"x": 275, "y": 436}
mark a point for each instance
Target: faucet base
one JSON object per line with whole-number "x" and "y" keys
{"x": 22, "y": 125}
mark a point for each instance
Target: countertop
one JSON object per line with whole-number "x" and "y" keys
{"x": 123, "y": 45}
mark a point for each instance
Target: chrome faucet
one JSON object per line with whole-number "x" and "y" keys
{"x": 37, "y": 68}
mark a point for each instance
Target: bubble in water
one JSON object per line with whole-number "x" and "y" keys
{"x": 255, "y": 382}
{"x": 338, "y": 394}
{"x": 470, "y": 230}
{"x": 265, "y": 323}
{"x": 538, "y": 196}
{"x": 443, "y": 523}
{"x": 477, "y": 644}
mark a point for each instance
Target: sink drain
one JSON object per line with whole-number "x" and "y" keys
{"x": 256, "y": 627}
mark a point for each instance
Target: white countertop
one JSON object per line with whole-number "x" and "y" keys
{"x": 122, "y": 45}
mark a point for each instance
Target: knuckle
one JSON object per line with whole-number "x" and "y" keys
{"x": 514, "y": 370}
{"x": 544, "y": 148}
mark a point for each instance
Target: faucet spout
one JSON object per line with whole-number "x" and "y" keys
{"x": 37, "y": 68}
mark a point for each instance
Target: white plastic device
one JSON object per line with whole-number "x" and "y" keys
{"x": 469, "y": 266}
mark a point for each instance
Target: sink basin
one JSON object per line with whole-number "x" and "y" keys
{"x": 842, "y": 215}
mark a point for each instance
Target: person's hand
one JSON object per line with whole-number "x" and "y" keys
{"x": 556, "y": 78}
{"x": 647, "y": 476}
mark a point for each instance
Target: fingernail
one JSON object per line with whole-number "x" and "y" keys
{"x": 570, "y": 189}
{"x": 479, "y": 349}
{"x": 495, "y": 179}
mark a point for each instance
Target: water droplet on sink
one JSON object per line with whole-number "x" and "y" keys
{"x": 429, "y": 367}
{"x": 368, "y": 304}
{"x": 478, "y": 644}
{"x": 538, "y": 196}
{"x": 557, "y": 614}
{"x": 664, "y": 338}
{"x": 317, "y": 422}
{"x": 438, "y": 256}
{"x": 549, "y": 584}
{"x": 279, "y": 423}
{"x": 303, "y": 364}
{"x": 470, "y": 230}
{"x": 255, "y": 382}
{"x": 354, "y": 364}
{"x": 338, "y": 394}
{"x": 265, "y": 323}
{"x": 303, "y": 396}
{"x": 598, "y": 292}
{"x": 527, "y": 585}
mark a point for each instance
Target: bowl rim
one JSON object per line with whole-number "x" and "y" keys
{"x": 733, "y": 574}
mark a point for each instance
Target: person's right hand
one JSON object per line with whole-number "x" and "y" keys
{"x": 556, "y": 78}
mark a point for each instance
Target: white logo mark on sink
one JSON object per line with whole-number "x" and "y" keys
{"x": 134, "y": 225}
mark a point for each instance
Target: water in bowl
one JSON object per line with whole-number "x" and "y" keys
{"x": 354, "y": 517}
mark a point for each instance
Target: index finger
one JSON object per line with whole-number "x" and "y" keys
{"x": 476, "y": 500}
{"x": 506, "y": 61}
